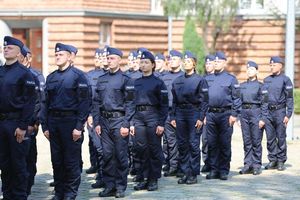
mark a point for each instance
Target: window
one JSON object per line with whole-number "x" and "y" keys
{"x": 251, "y": 4}
{"x": 105, "y": 34}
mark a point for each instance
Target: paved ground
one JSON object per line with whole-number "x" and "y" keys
{"x": 269, "y": 185}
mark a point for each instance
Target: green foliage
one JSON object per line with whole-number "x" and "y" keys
{"x": 297, "y": 101}
{"x": 213, "y": 15}
{"x": 193, "y": 43}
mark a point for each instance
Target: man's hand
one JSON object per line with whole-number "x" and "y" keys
{"x": 159, "y": 130}
{"x": 20, "y": 134}
{"x": 173, "y": 123}
{"x": 98, "y": 130}
{"x": 232, "y": 120}
{"x": 198, "y": 124}
{"x": 132, "y": 130}
{"x": 76, "y": 135}
{"x": 261, "y": 124}
{"x": 46, "y": 134}
{"x": 124, "y": 131}
{"x": 90, "y": 121}
{"x": 30, "y": 130}
{"x": 286, "y": 120}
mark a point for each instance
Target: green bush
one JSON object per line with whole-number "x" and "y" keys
{"x": 194, "y": 43}
{"x": 297, "y": 100}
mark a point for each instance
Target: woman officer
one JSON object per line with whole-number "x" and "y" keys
{"x": 189, "y": 107}
{"x": 253, "y": 103}
{"x": 151, "y": 105}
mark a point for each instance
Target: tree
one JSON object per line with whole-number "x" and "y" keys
{"x": 213, "y": 17}
{"x": 193, "y": 43}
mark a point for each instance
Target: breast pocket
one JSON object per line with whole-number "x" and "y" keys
{"x": 100, "y": 90}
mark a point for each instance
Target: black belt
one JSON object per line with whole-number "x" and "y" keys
{"x": 62, "y": 113}
{"x": 187, "y": 106}
{"x": 145, "y": 108}
{"x": 250, "y": 106}
{"x": 113, "y": 114}
{"x": 276, "y": 107}
{"x": 218, "y": 109}
{"x": 11, "y": 115}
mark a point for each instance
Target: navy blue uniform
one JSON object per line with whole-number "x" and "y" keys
{"x": 253, "y": 110}
{"x": 95, "y": 146}
{"x": 17, "y": 102}
{"x": 134, "y": 74}
{"x": 224, "y": 101}
{"x": 151, "y": 105}
{"x": 32, "y": 156}
{"x": 280, "y": 104}
{"x": 169, "y": 137}
{"x": 66, "y": 108}
{"x": 189, "y": 105}
{"x": 204, "y": 148}
{"x": 112, "y": 110}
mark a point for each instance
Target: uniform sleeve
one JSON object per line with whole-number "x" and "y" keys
{"x": 174, "y": 104}
{"x": 164, "y": 104}
{"x": 44, "y": 108}
{"x": 264, "y": 103}
{"x": 41, "y": 94}
{"x": 28, "y": 89}
{"x": 37, "y": 106}
{"x": 236, "y": 98}
{"x": 288, "y": 90}
{"x": 84, "y": 99}
{"x": 96, "y": 106}
{"x": 203, "y": 90}
{"x": 129, "y": 102}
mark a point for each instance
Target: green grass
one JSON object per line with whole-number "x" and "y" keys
{"x": 297, "y": 100}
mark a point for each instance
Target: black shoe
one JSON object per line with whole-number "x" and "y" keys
{"x": 213, "y": 175}
{"x": 271, "y": 165}
{"x": 223, "y": 176}
{"x": 191, "y": 180}
{"x": 182, "y": 180}
{"x": 137, "y": 179}
{"x": 56, "y": 198}
{"x": 256, "y": 171}
{"x": 280, "y": 166}
{"x": 52, "y": 184}
{"x": 120, "y": 194}
{"x": 91, "y": 170}
{"x": 141, "y": 186}
{"x": 152, "y": 185}
{"x": 205, "y": 169}
{"x": 245, "y": 170}
{"x": 166, "y": 168}
{"x": 132, "y": 172}
{"x": 69, "y": 198}
{"x": 107, "y": 192}
{"x": 98, "y": 184}
{"x": 179, "y": 174}
{"x": 171, "y": 172}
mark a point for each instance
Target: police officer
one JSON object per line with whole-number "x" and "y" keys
{"x": 254, "y": 109}
{"x": 151, "y": 105}
{"x": 112, "y": 113}
{"x": 134, "y": 72}
{"x": 16, "y": 110}
{"x": 95, "y": 145}
{"x": 63, "y": 116}
{"x": 280, "y": 105}
{"x": 159, "y": 65}
{"x": 25, "y": 59}
{"x": 169, "y": 136}
{"x": 189, "y": 107}
{"x": 209, "y": 77}
{"x": 224, "y": 107}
